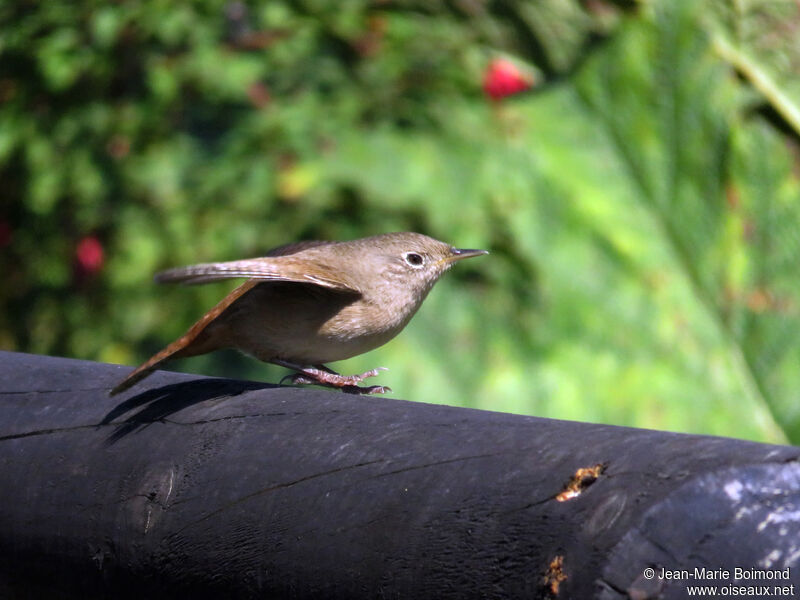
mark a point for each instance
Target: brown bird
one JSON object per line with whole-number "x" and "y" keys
{"x": 309, "y": 303}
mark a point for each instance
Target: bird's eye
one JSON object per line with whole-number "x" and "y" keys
{"x": 414, "y": 259}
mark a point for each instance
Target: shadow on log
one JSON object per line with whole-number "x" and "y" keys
{"x": 213, "y": 488}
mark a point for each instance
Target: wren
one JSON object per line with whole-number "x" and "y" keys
{"x": 310, "y": 303}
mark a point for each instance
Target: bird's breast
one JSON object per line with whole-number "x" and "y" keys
{"x": 312, "y": 325}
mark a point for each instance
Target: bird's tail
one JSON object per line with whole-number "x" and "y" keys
{"x": 195, "y": 341}
{"x": 176, "y": 349}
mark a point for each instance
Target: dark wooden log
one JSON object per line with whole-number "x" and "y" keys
{"x": 192, "y": 487}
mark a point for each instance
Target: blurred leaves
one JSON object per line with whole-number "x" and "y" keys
{"x": 759, "y": 39}
{"x": 640, "y": 204}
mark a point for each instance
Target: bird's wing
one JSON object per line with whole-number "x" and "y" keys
{"x": 278, "y": 268}
{"x": 295, "y": 247}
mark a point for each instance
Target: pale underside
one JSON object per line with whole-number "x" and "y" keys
{"x": 299, "y": 323}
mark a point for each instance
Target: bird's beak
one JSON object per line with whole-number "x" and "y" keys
{"x": 460, "y": 253}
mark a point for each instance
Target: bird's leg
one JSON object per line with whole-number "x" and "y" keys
{"x": 322, "y": 375}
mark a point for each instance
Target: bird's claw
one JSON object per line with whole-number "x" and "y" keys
{"x": 346, "y": 383}
{"x": 366, "y": 390}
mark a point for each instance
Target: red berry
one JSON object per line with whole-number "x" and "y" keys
{"x": 503, "y": 78}
{"x": 89, "y": 255}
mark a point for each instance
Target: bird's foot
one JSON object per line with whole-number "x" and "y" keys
{"x": 346, "y": 383}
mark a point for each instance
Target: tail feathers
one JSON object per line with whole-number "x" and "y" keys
{"x": 195, "y": 341}
{"x": 175, "y": 350}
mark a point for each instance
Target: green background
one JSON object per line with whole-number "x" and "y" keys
{"x": 640, "y": 202}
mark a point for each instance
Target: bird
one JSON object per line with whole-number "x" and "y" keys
{"x": 309, "y": 303}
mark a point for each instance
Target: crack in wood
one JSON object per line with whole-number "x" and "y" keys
{"x": 273, "y": 488}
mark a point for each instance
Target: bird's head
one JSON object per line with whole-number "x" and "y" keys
{"x": 411, "y": 263}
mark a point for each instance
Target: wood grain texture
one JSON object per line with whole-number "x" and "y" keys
{"x": 214, "y": 488}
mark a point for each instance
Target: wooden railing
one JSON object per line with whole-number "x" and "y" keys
{"x": 194, "y": 487}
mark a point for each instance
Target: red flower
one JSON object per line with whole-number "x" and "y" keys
{"x": 89, "y": 255}
{"x": 504, "y": 78}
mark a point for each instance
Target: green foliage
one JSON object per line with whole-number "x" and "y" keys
{"x": 640, "y": 204}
